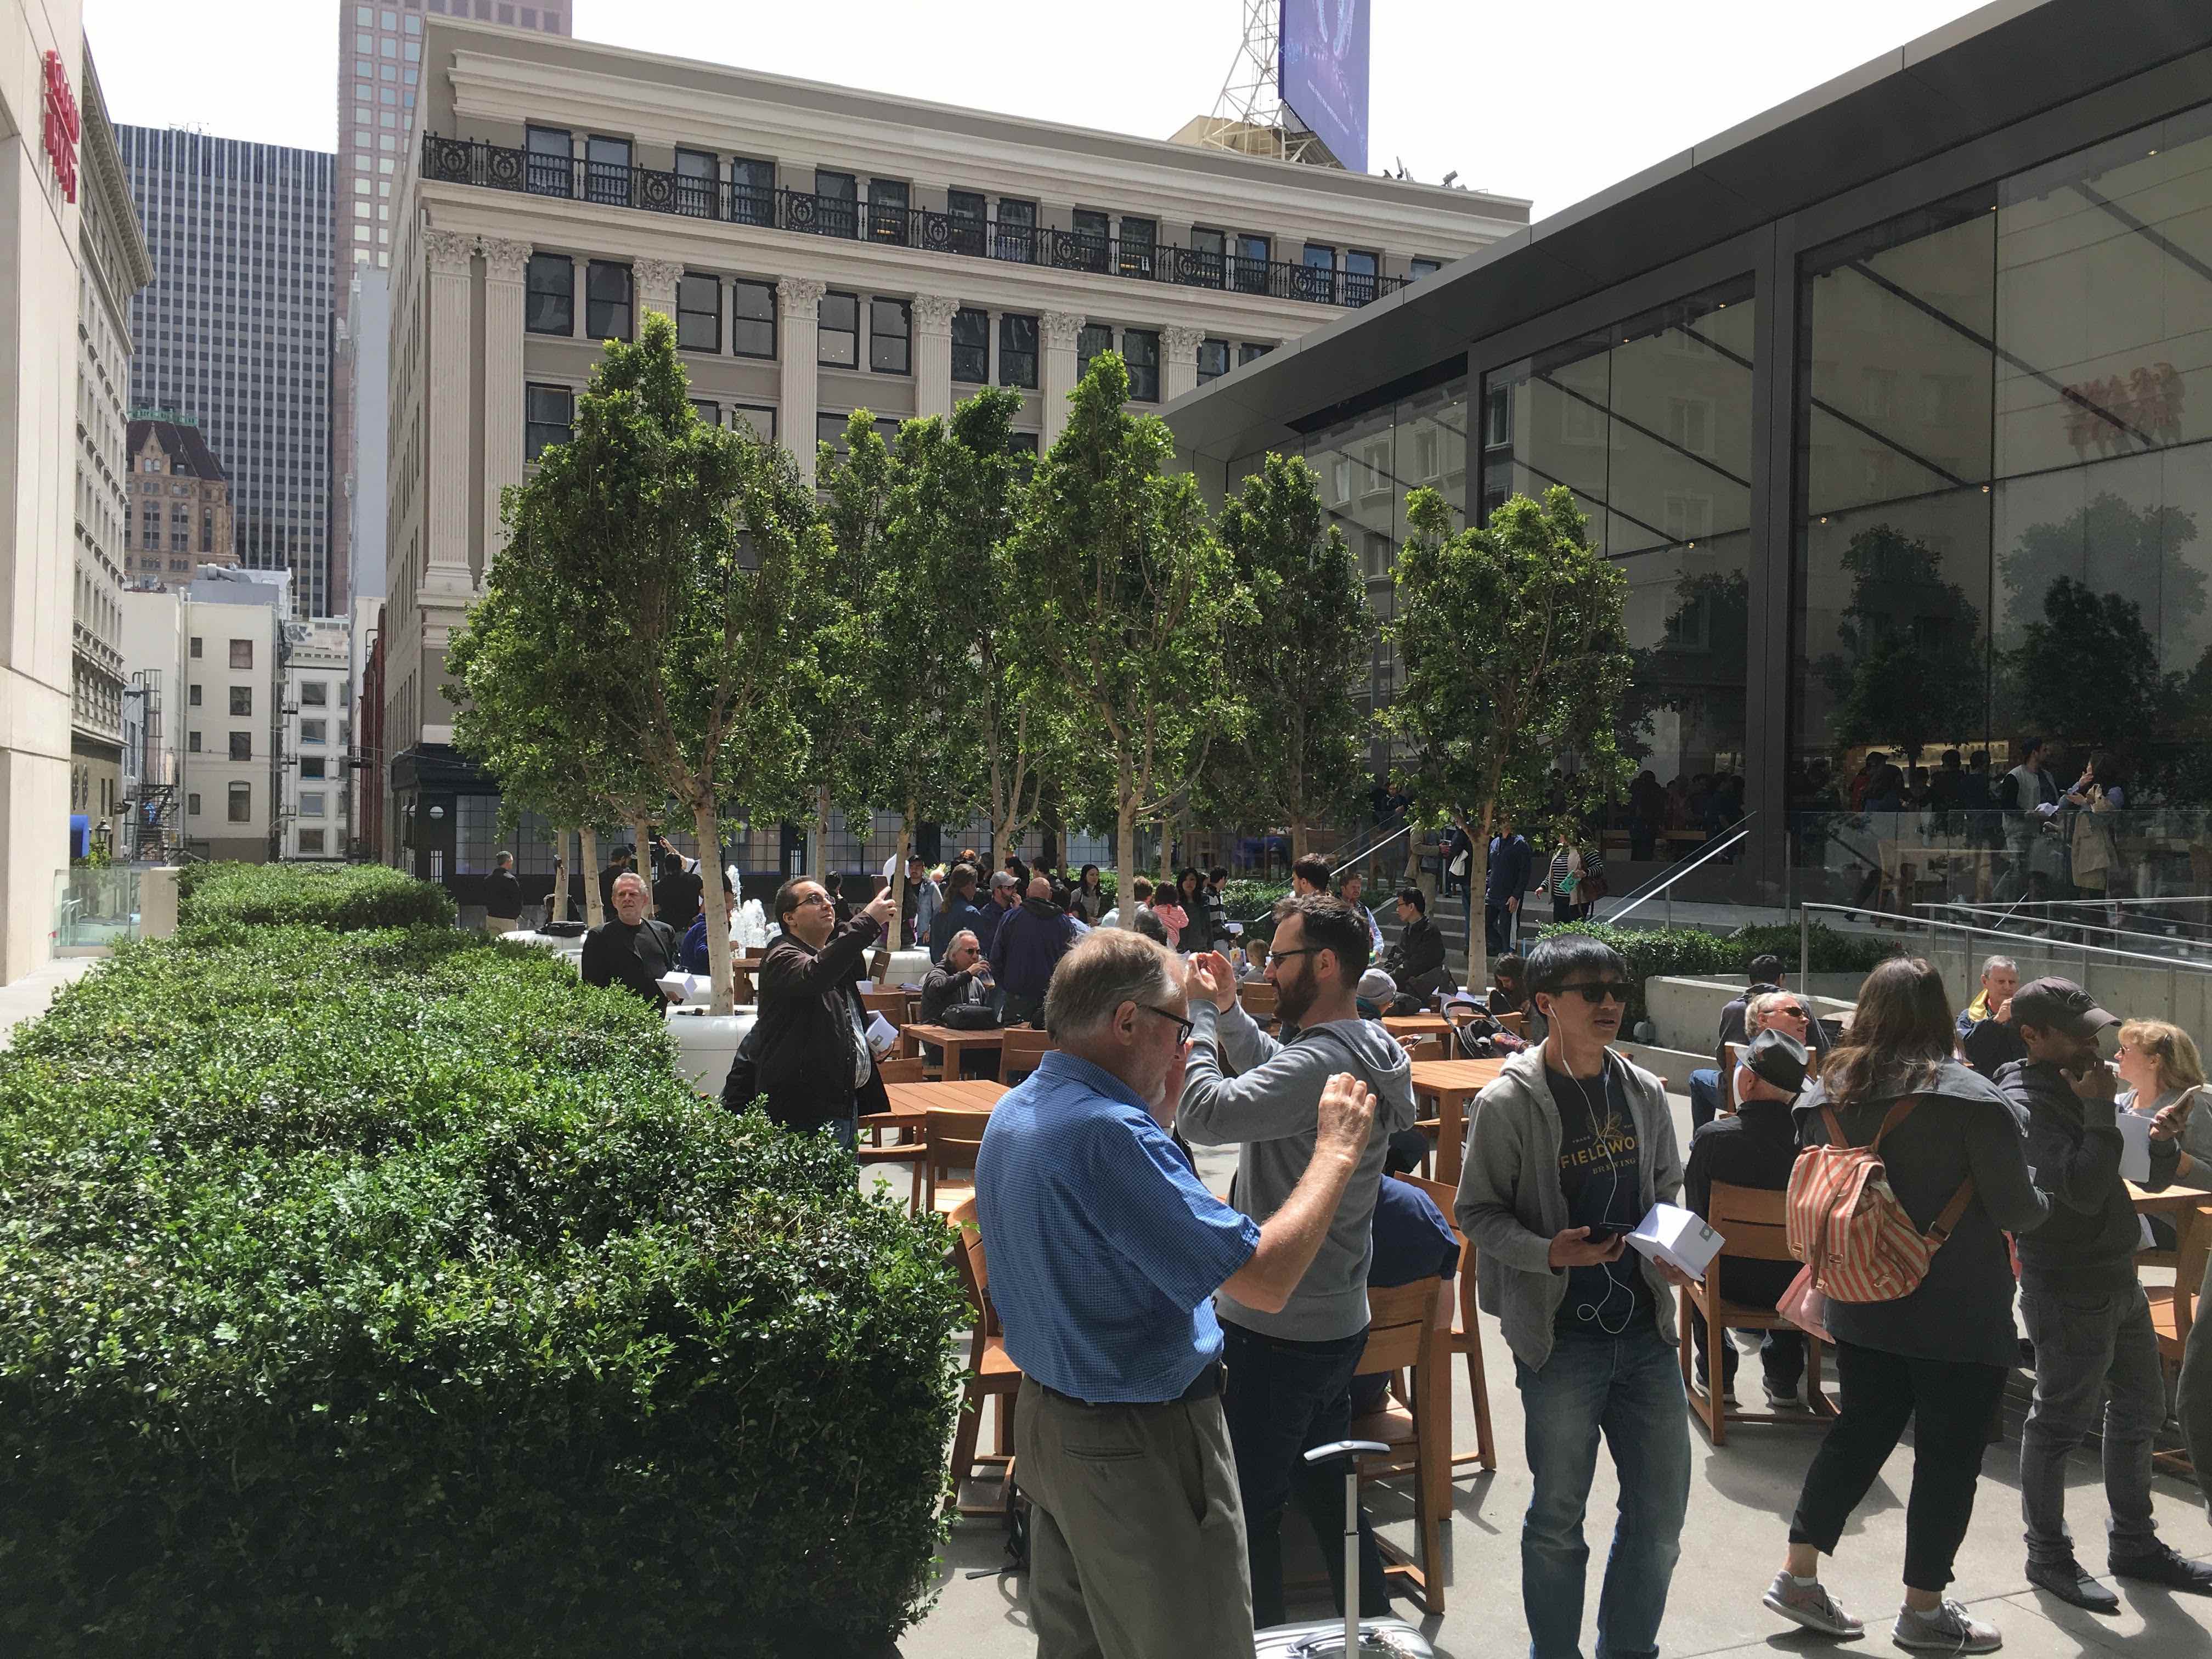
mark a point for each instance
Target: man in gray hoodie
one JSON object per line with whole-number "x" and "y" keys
{"x": 1289, "y": 1384}
{"x": 1569, "y": 1150}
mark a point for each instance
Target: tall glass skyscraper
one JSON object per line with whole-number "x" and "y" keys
{"x": 235, "y": 331}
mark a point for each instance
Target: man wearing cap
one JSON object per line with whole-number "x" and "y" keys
{"x": 2085, "y": 1308}
{"x": 1755, "y": 1147}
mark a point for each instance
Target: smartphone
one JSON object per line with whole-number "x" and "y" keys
{"x": 1607, "y": 1234}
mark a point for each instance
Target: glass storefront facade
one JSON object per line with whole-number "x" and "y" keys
{"x": 2003, "y": 406}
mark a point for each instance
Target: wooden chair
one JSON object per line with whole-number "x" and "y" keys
{"x": 950, "y": 1140}
{"x": 1754, "y": 1226}
{"x": 1020, "y": 1054}
{"x": 1408, "y": 1329}
{"x": 908, "y": 1069}
{"x": 1428, "y": 1048}
{"x": 1516, "y": 1023}
{"x": 991, "y": 1374}
{"x": 1467, "y": 1327}
{"x": 906, "y": 1149}
{"x": 2173, "y": 1307}
{"x": 1258, "y": 997}
{"x": 892, "y": 1004}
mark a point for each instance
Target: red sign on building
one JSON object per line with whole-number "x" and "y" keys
{"x": 62, "y": 128}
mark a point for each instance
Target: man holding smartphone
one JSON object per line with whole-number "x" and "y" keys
{"x": 1569, "y": 1149}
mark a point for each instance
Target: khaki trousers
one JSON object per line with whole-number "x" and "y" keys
{"x": 1137, "y": 1550}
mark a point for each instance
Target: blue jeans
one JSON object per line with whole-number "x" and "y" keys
{"x": 1704, "y": 1097}
{"x": 1629, "y": 1389}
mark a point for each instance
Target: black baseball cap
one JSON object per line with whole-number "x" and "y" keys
{"x": 2060, "y": 1004}
{"x": 1776, "y": 1057}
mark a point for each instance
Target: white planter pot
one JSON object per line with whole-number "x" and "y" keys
{"x": 907, "y": 968}
{"x": 705, "y": 1044}
{"x": 570, "y": 950}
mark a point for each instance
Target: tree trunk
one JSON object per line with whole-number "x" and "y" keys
{"x": 638, "y": 829}
{"x": 1477, "y": 883}
{"x": 817, "y": 836}
{"x": 1300, "y": 834}
{"x": 560, "y": 906}
{"x": 708, "y": 823}
{"x": 594, "y": 912}
{"x": 898, "y": 882}
{"x": 1125, "y": 861}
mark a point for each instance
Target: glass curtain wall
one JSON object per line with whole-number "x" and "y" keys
{"x": 1648, "y": 423}
{"x": 2005, "y": 405}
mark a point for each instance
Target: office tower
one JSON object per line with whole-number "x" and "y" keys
{"x": 380, "y": 65}
{"x": 234, "y": 331}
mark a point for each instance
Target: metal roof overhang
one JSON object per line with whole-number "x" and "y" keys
{"x": 1999, "y": 64}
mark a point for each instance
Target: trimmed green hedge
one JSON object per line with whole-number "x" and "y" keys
{"x": 388, "y": 1293}
{"x": 1694, "y": 953}
{"x": 212, "y": 897}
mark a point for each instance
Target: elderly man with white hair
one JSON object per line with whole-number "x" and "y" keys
{"x": 1106, "y": 1251}
{"x": 631, "y": 948}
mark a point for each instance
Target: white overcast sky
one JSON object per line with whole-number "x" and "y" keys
{"x": 1550, "y": 101}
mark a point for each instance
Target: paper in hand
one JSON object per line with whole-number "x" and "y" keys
{"x": 2135, "y": 1146}
{"x": 882, "y": 1035}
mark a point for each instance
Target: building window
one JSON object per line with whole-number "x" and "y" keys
{"x": 1093, "y": 241}
{"x": 1017, "y": 238}
{"x": 549, "y": 165}
{"x": 607, "y": 301}
{"x": 312, "y": 767}
{"x": 1417, "y": 268}
{"x": 192, "y": 742}
{"x": 313, "y": 804}
{"x": 314, "y": 693}
{"x": 606, "y": 170}
{"x": 838, "y": 344}
{"x": 195, "y": 647}
{"x": 1251, "y": 351}
{"x": 836, "y": 203}
{"x": 314, "y": 730}
{"x": 1359, "y": 268}
{"x": 241, "y": 699}
{"x": 1089, "y": 340}
{"x": 311, "y": 840}
{"x": 241, "y": 653}
{"x": 1253, "y": 255}
{"x": 550, "y": 304}
{"x": 752, "y": 319}
{"x": 888, "y": 201}
{"x": 241, "y": 745}
{"x": 1212, "y": 359}
{"x": 699, "y": 313}
{"x": 968, "y": 210}
{"x": 971, "y": 347}
{"x": 708, "y": 410}
{"x": 241, "y": 802}
{"x": 193, "y": 697}
{"x": 1140, "y": 239}
{"x": 698, "y": 178}
{"x": 548, "y": 418}
{"x": 192, "y": 806}
{"x": 752, "y": 191}
{"x": 891, "y": 336}
{"x": 830, "y": 429}
{"x": 760, "y": 419}
{"x": 1209, "y": 258}
{"x": 1018, "y": 351}
{"x": 1317, "y": 274}
{"x": 1141, "y": 349}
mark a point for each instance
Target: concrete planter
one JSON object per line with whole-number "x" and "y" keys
{"x": 705, "y": 1044}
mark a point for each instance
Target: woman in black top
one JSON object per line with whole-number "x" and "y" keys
{"x": 1937, "y": 1357}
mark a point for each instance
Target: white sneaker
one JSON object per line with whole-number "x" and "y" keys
{"x": 1809, "y": 1605}
{"x": 1947, "y": 1630}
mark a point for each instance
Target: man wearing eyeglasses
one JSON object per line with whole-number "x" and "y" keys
{"x": 1568, "y": 1150}
{"x": 1291, "y": 1369}
{"x": 1106, "y": 1251}
{"x": 809, "y": 1046}
{"x": 1764, "y": 972}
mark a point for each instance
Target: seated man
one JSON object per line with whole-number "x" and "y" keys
{"x": 959, "y": 993}
{"x": 1413, "y": 1241}
{"x": 1765, "y": 975}
{"x": 1416, "y": 963}
{"x": 1755, "y": 1147}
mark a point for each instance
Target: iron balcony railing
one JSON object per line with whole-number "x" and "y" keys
{"x": 652, "y": 190}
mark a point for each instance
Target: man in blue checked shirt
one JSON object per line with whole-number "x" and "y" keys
{"x": 1106, "y": 1251}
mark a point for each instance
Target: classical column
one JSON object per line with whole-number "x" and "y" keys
{"x": 932, "y": 354}
{"x": 1060, "y": 329}
{"x": 798, "y": 305}
{"x": 505, "y": 264}
{"x": 452, "y": 502}
{"x": 656, "y": 286}
{"x": 1180, "y": 344}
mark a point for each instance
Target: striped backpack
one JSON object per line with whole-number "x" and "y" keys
{"x": 1846, "y": 1223}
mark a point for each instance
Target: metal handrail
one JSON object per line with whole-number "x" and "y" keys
{"x": 2027, "y": 942}
{"x": 2071, "y": 926}
{"x": 656, "y": 190}
{"x": 1666, "y": 880}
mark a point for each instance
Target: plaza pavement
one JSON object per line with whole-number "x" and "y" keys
{"x": 1740, "y": 1496}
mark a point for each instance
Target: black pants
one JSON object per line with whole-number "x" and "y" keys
{"x": 1781, "y": 1356}
{"x": 1497, "y": 924}
{"x": 1282, "y": 1397}
{"x": 1948, "y": 1403}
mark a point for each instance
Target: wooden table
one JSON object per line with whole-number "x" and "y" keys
{"x": 1452, "y": 1084}
{"x": 1417, "y": 1025}
{"x": 969, "y": 1095}
{"x": 955, "y": 1043}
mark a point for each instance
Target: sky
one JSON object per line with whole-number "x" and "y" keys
{"x": 1552, "y": 102}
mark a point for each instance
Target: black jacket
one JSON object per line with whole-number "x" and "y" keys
{"x": 1756, "y": 1148}
{"x": 2093, "y": 1233}
{"x": 1419, "y": 951}
{"x": 941, "y": 989}
{"x": 502, "y": 894}
{"x": 803, "y": 1043}
{"x": 633, "y": 957}
{"x": 676, "y": 898}
{"x": 1963, "y": 1309}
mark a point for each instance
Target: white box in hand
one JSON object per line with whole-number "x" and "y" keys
{"x": 1673, "y": 1235}
{"x": 2134, "y": 1146}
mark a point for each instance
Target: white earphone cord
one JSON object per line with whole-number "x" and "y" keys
{"x": 1596, "y": 1313}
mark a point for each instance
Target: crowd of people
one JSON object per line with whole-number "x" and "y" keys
{"x": 1197, "y": 1347}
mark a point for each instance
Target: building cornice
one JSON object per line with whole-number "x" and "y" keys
{"x": 104, "y": 162}
{"x": 588, "y": 230}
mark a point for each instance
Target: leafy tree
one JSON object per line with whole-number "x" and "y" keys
{"x": 2088, "y": 672}
{"x": 1517, "y": 659}
{"x": 686, "y": 562}
{"x": 1698, "y": 670}
{"x": 842, "y": 719}
{"x": 1298, "y": 652}
{"x": 1131, "y": 601}
{"x": 1911, "y": 668}
{"x": 2135, "y": 552}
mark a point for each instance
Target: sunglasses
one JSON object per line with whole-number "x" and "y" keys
{"x": 1616, "y": 989}
{"x": 1788, "y": 1009}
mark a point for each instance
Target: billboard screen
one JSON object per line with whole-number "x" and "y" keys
{"x": 1324, "y": 73}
